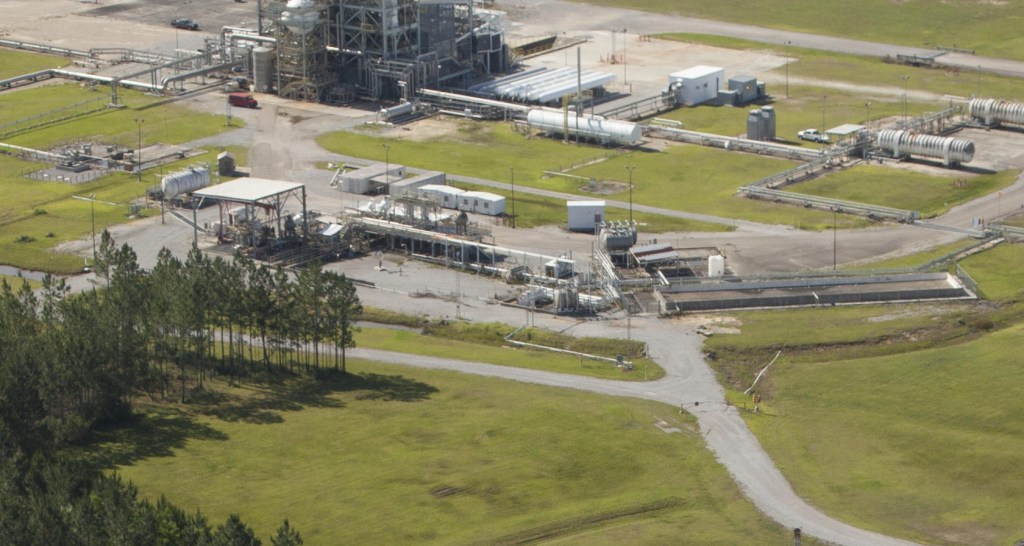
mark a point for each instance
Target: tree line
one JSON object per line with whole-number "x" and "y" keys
{"x": 71, "y": 361}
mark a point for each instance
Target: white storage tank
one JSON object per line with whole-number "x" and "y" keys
{"x": 585, "y": 215}
{"x": 716, "y": 266}
{"x": 262, "y": 69}
{"x": 186, "y": 181}
{"x": 605, "y": 131}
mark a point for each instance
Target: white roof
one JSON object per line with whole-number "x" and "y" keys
{"x": 438, "y": 188}
{"x": 845, "y": 129}
{"x": 488, "y": 196}
{"x": 698, "y": 71}
{"x": 585, "y": 203}
{"x": 248, "y": 190}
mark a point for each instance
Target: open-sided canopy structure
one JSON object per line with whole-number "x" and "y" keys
{"x": 253, "y": 194}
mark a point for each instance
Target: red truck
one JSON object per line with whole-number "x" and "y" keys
{"x": 244, "y": 100}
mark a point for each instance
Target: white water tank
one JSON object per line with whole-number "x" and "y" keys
{"x": 262, "y": 69}
{"x": 716, "y": 266}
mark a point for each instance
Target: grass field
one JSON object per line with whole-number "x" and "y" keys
{"x": 902, "y": 189}
{"x": 896, "y": 418}
{"x": 16, "y": 63}
{"x": 486, "y": 344}
{"x": 394, "y": 456}
{"x": 36, "y": 216}
{"x": 990, "y": 28}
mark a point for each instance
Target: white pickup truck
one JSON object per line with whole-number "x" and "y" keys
{"x": 812, "y": 135}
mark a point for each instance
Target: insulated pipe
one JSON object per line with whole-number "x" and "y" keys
{"x": 994, "y": 111}
{"x": 904, "y": 143}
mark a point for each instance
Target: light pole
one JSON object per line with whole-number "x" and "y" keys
{"x": 139, "y": 122}
{"x": 625, "y": 80}
{"x": 92, "y": 205}
{"x": 867, "y": 106}
{"x": 904, "y": 77}
{"x": 630, "y": 169}
{"x": 788, "y": 43}
{"x": 387, "y": 169}
{"x": 824, "y": 133}
{"x": 512, "y": 176}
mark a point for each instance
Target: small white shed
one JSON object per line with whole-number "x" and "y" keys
{"x": 585, "y": 215}
{"x": 697, "y": 84}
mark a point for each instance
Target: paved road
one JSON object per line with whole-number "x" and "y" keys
{"x": 539, "y": 17}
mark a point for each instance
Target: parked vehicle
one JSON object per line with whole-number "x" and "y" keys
{"x": 183, "y": 23}
{"x": 812, "y": 135}
{"x": 244, "y": 100}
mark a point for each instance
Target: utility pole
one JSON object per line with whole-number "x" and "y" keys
{"x": 512, "y": 176}
{"x": 625, "y": 80}
{"x": 904, "y": 77}
{"x": 139, "y": 122}
{"x": 788, "y": 43}
{"x": 387, "y": 169}
{"x": 92, "y": 204}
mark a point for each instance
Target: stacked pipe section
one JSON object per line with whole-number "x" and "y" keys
{"x": 900, "y": 143}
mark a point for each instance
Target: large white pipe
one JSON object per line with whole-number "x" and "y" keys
{"x": 903, "y": 143}
{"x": 604, "y": 130}
{"x": 992, "y": 111}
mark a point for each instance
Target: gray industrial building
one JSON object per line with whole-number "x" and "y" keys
{"x": 342, "y": 50}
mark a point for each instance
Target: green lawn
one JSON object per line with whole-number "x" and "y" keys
{"x": 925, "y": 445}
{"x": 16, "y": 63}
{"x": 902, "y": 189}
{"x": 417, "y": 343}
{"x": 998, "y": 272}
{"x": 990, "y": 28}
{"x": 898, "y": 418}
{"x": 36, "y": 216}
{"x": 395, "y": 456}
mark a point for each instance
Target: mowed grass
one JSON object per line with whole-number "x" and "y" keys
{"x": 896, "y": 418}
{"x": 36, "y": 216}
{"x": 990, "y": 28}
{"x": 684, "y": 178}
{"x": 998, "y": 272}
{"x": 16, "y": 63}
{"x": 865, "y": 78}
{"x": 924, "y": 445}
{"x": 417, "y": 343}
{"x": 400, "y": 456}
{"x": 903, "y": 189}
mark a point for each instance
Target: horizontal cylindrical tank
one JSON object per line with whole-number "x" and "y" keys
{"x": 603, "y": 130}
{"x": 993, "y": 111}
{"x": 186, "y": 181}
{"x": 904, "y": 143}
{"x": 397, "y": 110}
